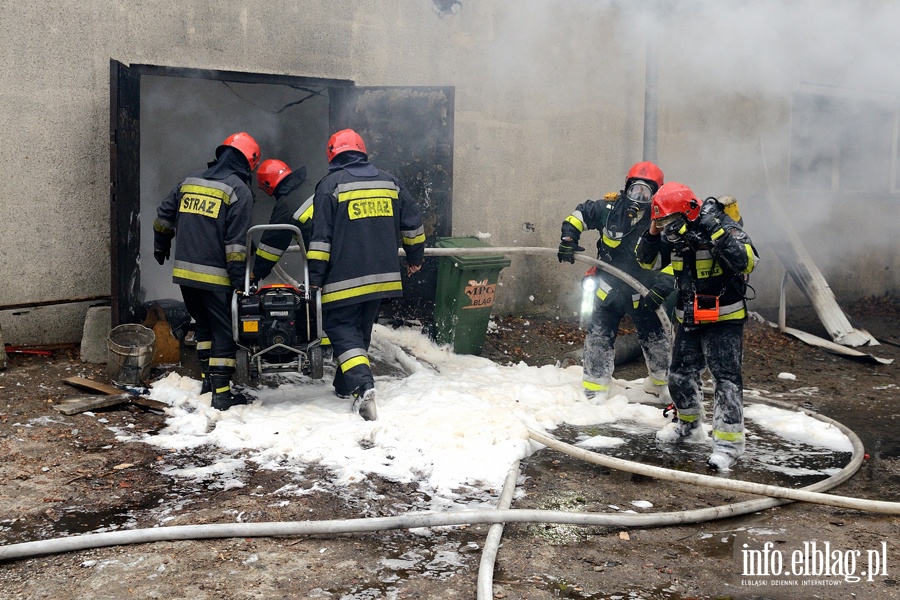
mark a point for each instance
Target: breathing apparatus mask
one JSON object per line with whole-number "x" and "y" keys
{"x": 638, "y": 195}
{"x": 673, "y": 227}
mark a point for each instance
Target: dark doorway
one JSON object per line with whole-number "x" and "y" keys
{"x": 166, "y": 122}
{"x": 408, "y": 132}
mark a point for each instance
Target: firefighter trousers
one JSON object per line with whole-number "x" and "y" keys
{"x": 599, "y": 344}
{"x": 215, "y": 342}
{"x": 719, "y": 346}
{"x": 350, "y": 330}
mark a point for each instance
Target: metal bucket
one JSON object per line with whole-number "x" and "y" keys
{"x": 130, "y": 354}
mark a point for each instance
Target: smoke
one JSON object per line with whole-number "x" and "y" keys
{"x": 810, "y": 84}
{"x": 797, "y": 100}
{"x": 183, "y": 120}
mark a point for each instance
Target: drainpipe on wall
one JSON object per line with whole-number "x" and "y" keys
{"x": 2, "y": 351}
{"x": 650, "y": 91}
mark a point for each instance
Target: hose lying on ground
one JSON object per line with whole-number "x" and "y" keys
{"x": 492, "y": 543}
{"x": 430, "y": 519}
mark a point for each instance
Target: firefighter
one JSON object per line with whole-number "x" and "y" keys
{"x": 209, "y": 214}
{"x": 276, "y": 179}
{"x": 361, "y": 215}
{"x": 621, "y": 218}
{"x": 712, "y": 258}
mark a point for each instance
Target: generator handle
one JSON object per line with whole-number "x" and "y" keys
{"x": 260, "y": 228}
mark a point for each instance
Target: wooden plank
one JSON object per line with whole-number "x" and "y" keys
{"x": 83, "y": 403}
{"x": 148, "y": 403}
{"x": 93, "y": 386}
{"x": 112, "y": 396}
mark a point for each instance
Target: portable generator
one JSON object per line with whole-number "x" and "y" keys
{"x": 277, "y": 327}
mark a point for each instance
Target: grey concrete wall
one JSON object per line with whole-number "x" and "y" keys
{"x": 549, "y": 112}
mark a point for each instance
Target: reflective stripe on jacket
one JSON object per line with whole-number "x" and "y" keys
{"x": 616, "y": 247}
{"x": 715, "y": 269}
{"x": 208, "y": 219}
{"x": 290, "y": 209}
{"x": 358, "y": 223}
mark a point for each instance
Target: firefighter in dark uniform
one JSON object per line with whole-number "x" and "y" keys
{"x": 712, "y": 258}
{"x": 292, "y": 207}
{"x": 361, "y": 216}
{"x": 209, "y": 214}
{"x": 276, "y": 179}
{"x": 621, "y": 218}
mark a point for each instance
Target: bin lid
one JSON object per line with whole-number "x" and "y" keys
{"x": 497, "y": 261}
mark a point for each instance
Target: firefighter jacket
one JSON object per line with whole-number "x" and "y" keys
{"x": 619, "y": 235}
{"x": 208, "y": 214}
{"x": 361, "y": 216}
{"x": 710, "y": 274}
{"x": 291, "y": 208}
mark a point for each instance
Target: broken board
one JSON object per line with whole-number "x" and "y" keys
{"x": 112, "y": 396}
{"x": 74, "y": 405}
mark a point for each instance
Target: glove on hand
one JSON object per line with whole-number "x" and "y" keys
{"x": 160, "y": 256}
{"x": 567, "y": 249}
{"x": 652, "y": 300}
{"x": 707, "y": 224}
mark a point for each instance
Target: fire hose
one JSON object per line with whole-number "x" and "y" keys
{"x": 532, "y": 251}
{"x": 776, "y": 496}
{"x": 503, "y": 514}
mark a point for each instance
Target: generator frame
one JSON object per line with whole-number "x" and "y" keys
{"x": 250, "y": 364}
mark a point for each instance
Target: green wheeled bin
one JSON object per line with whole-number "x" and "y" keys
{"x": 464, "y": 295}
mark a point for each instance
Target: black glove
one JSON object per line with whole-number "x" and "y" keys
{"x": 708, "y": 225}
{"x": 160, "y": 256}
{"x": 567, "y": 249}
{"x": 652, "y": 300}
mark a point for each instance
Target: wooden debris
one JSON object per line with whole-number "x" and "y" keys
{"x": 148, "y": 403}
{"x": 83, "y": 403}
{"x": 93, "y": 386}
{"x": 111, "y": 397}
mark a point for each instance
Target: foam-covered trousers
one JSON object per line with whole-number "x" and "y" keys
{"x": 719, "y": 346}
{"x": 599, "y": 343}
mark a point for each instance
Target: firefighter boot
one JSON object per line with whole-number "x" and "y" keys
{"x": 222, "y": 396}
{"x": 724, "y": 455}
{"x": 205, "y": 388}
{"x": 364, "y": 402}
{"x": 657, "y": 388}
{"x": 679, "y": 430}
{"x": 596, "y": 397}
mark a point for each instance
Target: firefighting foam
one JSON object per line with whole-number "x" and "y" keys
{"x": 451, "y": 424}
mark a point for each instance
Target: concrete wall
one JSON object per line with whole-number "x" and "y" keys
{"x": 549, "y": 112}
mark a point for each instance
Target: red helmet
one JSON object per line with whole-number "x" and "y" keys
{"x": 675, "y": 198}
{"x": 270, "y": 174}
{"x": 647, "y": 171}
{"x": 245, "y": 144}
{"x": 342, "y": 141}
